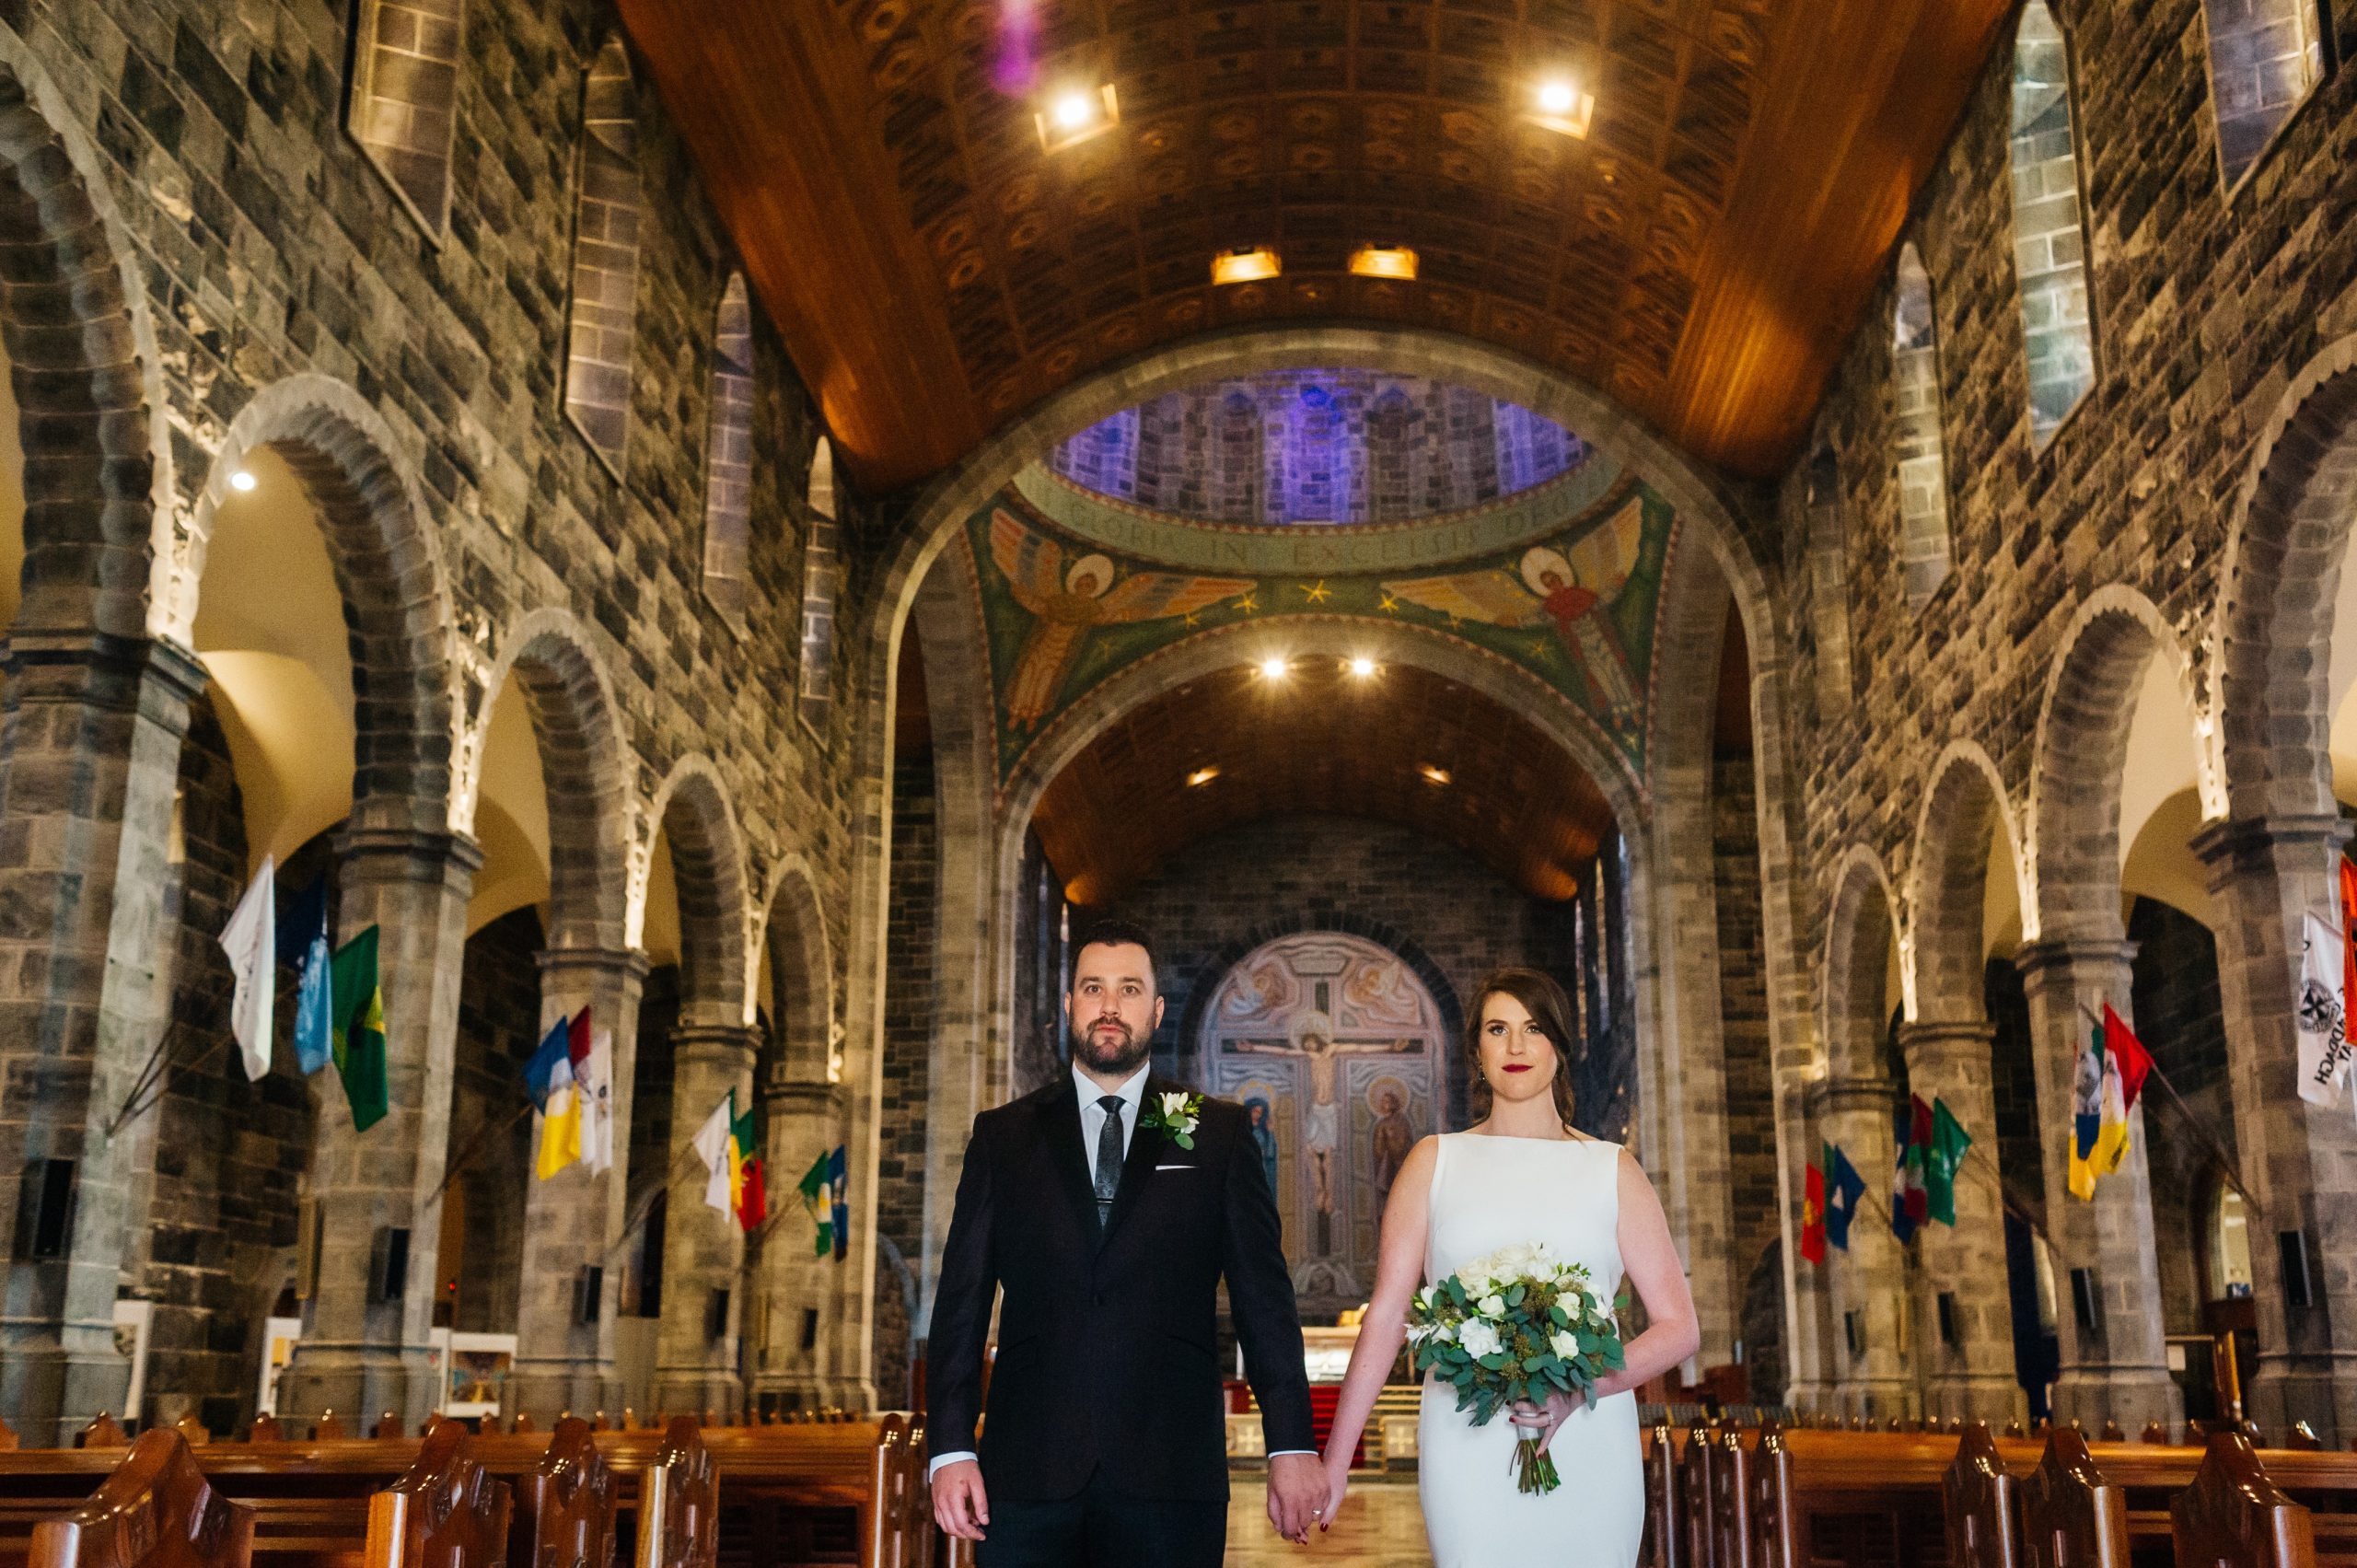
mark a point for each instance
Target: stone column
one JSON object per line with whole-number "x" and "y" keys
{"x": 89, "y": 764}
{"x": 703, "y": 1249}
{"x": 1867, "y": 1291}
{"x": 573, "y": 1221}
{"x": 803, "y": 1120}
{"x": 2299, "y": 1159}
{"x": 2115, "y": 1368}
{"x": 362, "y": 1352}
{"x": 1809, "y": 1328}
{"x": 1971, "y": 1376}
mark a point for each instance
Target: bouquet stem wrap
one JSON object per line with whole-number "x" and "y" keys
{"x": 1520, "y": 1325}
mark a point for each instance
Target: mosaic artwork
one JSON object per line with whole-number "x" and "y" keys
{"x": 1332, "y": 1046}
{"x": 1575, "y": 605}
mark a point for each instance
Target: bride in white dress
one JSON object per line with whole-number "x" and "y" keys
{"x": 1522, "y": 1175}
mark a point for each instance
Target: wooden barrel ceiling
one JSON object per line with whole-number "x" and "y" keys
{"x": 1700, "y": 255}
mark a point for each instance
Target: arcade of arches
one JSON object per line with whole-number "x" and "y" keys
{"x": 1837, "y": 555}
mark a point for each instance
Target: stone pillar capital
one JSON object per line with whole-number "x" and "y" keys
{"x": 2244, "y": 838}
{"x": 2068, "y": 960}
{"x": 99, "y": 668}
{"x": 408, "y": 854}
{"x": 1834, "y": 1097}
{"x": 790, "y": 1097}
{"x": 1962, "y": 1041}
{"x": 730, "y": 1047}
{"x": 618, "y": 963}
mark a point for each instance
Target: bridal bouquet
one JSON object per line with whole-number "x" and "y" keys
{"x": 1518, "y": 1324}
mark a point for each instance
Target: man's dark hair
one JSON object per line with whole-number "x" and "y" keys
{"x": 1114, "y": 934}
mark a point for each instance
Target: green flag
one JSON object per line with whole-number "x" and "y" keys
{"x": 357, "y": 1029}
{"x": 813, "y": 1188}
{"x": 1945, "y": 1159}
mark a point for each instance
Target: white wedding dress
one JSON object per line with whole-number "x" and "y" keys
{"x": 1489, "y": 1193}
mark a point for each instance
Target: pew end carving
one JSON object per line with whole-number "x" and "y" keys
{"x": 678, "y": 1505}
{"x": 2233, "y": 1514}
{"x": 1980, "y": 1504}
{"x": 156, "y": 1511}
{"x": 564, "y": 1506}
{"x": 446, "y": 1511}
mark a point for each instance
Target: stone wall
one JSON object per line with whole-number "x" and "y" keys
{"x": 499, "y": 1019}
{"x": 908, "y": 1009}
{"x": 2178, "y": 1018}
{"x": 1743, "y": 1010}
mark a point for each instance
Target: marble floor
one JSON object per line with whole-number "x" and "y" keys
{"x": 1381, "y": 1527}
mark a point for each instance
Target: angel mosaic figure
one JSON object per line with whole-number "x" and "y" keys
{"x": 1071, "y": 598}
{"x": 1562, "y": 587}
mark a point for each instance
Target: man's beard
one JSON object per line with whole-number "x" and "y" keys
{"x": 1109, "y": 1053}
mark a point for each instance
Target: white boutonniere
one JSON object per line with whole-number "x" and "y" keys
{"x": 1176, "y": 1115}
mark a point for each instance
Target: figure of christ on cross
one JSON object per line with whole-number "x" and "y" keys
{"x": 1321, "y": 1120}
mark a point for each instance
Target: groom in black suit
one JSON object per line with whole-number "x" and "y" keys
{"x": 1105, "y": 1442}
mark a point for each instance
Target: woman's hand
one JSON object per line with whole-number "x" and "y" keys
{"x": 1546, "y": 1417}
{"x": 1338, "y": 1481}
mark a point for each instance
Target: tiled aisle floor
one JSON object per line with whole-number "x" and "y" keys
{"x": 1381, "y": 1527}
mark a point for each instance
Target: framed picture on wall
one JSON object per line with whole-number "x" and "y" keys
{"x": 132, "y": 1321}
{"x": 479, "y": 1367}
{"x": 278, "y": 1337}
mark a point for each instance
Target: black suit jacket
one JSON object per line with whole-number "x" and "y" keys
{"x": 1108, "y": 1351}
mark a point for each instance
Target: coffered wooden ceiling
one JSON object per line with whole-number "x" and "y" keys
{"x": 1321, "y": 741}
{"x": 1700, "y": 256}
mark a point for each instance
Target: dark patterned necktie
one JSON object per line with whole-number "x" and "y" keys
{"x": 1109, "y": 1157}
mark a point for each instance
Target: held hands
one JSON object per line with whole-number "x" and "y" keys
{"x": 959, "y": 1505}
{"x": 1337, "y": 1481}
{"x": 1547, "y": 1418}
{"x": 1298, "y": 1495}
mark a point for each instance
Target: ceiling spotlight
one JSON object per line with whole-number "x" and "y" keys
{"x": 1432, "y": 773}
{"x": 1073, "y": 115}
{"x": 1250, "y": 263}
{"x": 1384, "y": 261}
{"x": 1361, "y": 666}
{"x": 1275, "y": 669}
{"x": 242, "y": 480}
{"x": 1559, "y": 103}
{"x": 1202, "y": 776}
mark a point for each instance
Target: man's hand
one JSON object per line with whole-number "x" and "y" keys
{"x": 959, "y": 1505}
{"x": 1297, "y": 1499}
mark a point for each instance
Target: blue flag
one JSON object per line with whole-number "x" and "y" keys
{"x": 555, "y": 1046}
{"x": 835, "y": 1179}
{"x": 303, "y": 942}
{"x": 1844, "y": 1187}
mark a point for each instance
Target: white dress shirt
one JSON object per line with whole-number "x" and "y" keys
{"x": 1092, "y": 1127}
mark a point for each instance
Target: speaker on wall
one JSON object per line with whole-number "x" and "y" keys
{"x": 388, "y": 1263}
{"x": 45, "y": 1210}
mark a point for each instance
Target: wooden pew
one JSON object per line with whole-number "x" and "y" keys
{"x": 679, "y": 1508}
{"x": 2071, "y": 1516}
{"x": 1662, "y": 1542}
{"x": 446, "y": 1511}
{"x": 155, "y": 1511}
{"x": 1980, "y": 1503}
{"x": 1730, "y": 1540}
{"x": 2234, "y": 1516}
{"x": 566, "y": 1506}
{"x": 1698, "y": 1465}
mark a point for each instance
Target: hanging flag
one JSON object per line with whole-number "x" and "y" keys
{"x": 2086, "y": 1116}
{"x": 251, "y": 941}
{"x": 596, "y": 1088}
{"x": 840, "y": 1185}
{"x": 303, "y": 942}
{"x": 1842, "y": 1202}
{"x": 560, "y": 1123}
{"x": 712, "y": 1147}
{"x": 2125, "y": 1055}
{"x": 1943, "y": 1159}
{"x": 813, "y": 1187}
{"x": 577, "y": 1041}
{"x": 357, "y": 1029}
{"x": 2348, "y": 936}
{"x": 745, "y": 1156}
{"x": 2320, "y": 1015}
{"x": 539, "y": 1068}
{"x": 1910, "y": 1200}
{"x": 1813, "y": 1214}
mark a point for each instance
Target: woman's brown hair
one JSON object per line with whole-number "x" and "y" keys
{"x": 1548, "y": 1008}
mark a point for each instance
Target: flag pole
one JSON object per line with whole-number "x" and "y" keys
{"x": 2210, "y": 1143}
{"x": 465, "y": 1155}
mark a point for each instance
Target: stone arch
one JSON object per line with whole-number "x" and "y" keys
{"x": 1862, "y": 925}
{"x": 2080, "y": 758}
{"x": 81, "y": 341}
{"x": 1948, "y": 887}
{"x": 388, "y": 568}
{"x": 693, "y": 810}
{"x": 801, "y": 971}
{"x": 2293, "y": 521}
{"x": 583, "y": 761}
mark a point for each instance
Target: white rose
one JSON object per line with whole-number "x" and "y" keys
{"x": 1480, "y": 1338}
{"x": 1564, "y": 1343}
{"x": 1493, "y": 1306}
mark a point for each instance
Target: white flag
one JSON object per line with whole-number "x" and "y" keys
{"x": 712, "y": 1142}
{"x": 251, "y": 941}
{"x": 2321, "y": 1015}
{"x": 597, "y": 1090}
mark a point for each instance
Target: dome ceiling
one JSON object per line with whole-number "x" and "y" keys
{"x": 1699, "y": 256}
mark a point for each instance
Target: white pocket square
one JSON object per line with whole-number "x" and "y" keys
{"x": 1174, "y": 1168}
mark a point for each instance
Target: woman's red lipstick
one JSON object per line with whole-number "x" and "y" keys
{"x": 1517, "y": 1066}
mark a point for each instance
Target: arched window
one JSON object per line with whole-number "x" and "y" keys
{"x": 1922, "y": 461}
{"x": 821, "y": 573}
{"x": 2265, "y": 56}
{"x": 403, "y": 109}
{"x": 1828, "y": 578}
{"x": 2050, "y": 241}
{"x": 605, "y": 259}
{"x": 729, "y": 456}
